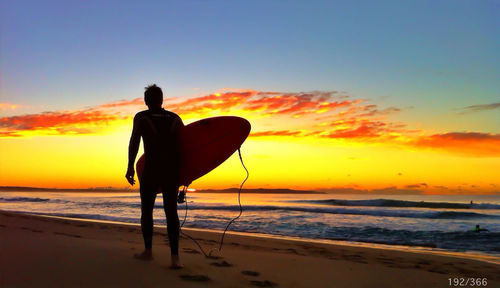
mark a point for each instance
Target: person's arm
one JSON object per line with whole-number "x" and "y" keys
{"x": 133, "y": 148}
{"x": 178, "y": 125}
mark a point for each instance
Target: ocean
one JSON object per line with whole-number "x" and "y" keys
{"x": 432, "y": 222}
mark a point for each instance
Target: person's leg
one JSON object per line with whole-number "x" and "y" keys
{"x": 170, "y": 205}
{"x": 148, "y": 196}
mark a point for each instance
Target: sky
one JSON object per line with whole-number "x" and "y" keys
{"x": 366, "y": 96}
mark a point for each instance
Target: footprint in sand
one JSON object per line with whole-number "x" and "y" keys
{"x": 221, "y": 264}
{"x": 265, "y": 283}
{"x": 32, "y": 230}
{"x": 195, "y": 278}
{"x": 354, "y": 258}
{"x": 250, "y": 273}
{"x": 214, "y": 257}
{"x": 439, "y": 270}
{"x": 191, "y": 251}
{"x": 66, "y": 234}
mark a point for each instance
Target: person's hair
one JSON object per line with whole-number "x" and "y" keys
{"x": 153, "y": 96}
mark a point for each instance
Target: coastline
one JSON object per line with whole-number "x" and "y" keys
{"x": 37, "y": 246}
{"x": 474, "y": 255}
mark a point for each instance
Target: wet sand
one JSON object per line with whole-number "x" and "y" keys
{"x": 37, "y": 251}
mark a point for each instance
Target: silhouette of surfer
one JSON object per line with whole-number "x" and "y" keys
{"x": 479, "y": 229}
{"x": 159, "y": 130}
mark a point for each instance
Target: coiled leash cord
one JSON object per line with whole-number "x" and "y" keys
{"x": 209, "y": 255}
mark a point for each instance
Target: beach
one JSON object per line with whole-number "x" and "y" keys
{"x": 41, "y": 251}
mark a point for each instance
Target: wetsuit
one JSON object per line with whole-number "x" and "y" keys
{"x": 159, "y": 130}
{"x": 477, "y": 229}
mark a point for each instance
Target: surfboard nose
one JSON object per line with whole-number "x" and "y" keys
{"x": 245, "y": 125}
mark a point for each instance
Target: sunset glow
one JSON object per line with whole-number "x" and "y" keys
{"x": 317, "y": 140}
{"x": 334, "y": 114}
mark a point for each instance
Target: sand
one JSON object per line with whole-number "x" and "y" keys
{"x": 37, "y": 251}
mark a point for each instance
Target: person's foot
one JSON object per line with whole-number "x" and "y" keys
{"x": 146, "y": 255}
{"x": 176, "y": 262}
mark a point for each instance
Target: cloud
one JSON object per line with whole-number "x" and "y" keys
{"x": 134, "y": 102}
{"x": 9, "y": 134}
{"x": 392, "y": 190}
{"x": 262, "y": 103}
{"x": 70, "y": 122}
{"x": 470, "y": 143}
{"x": 9, "y": 106}
{"x": 295, "y": 104}
{"x": 411, "y": 189}
{"x": 212, "y": 103}
{"x": 323, "y": 114}
{"x": 257, "y": 103}
{"x": 417, "y": 186}
{"x": 367, "y": 129}
{"x": 479, "y": 108}
{"x": 275, "y": 133}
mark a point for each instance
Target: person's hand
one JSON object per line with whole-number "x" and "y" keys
{"x": 130, "y": 176}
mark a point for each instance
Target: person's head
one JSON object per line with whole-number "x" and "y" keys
{"x": 477, "y": 226}
{"x": 153, "y": 96}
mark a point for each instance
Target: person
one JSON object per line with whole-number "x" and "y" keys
{"x": 159, "y": 130}
{"x": 479, "y": 229}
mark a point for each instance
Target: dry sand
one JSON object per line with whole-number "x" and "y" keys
{"x": 37, "y": 251}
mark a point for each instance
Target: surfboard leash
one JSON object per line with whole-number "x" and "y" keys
{"x": 239, "y": 202}
{"x": 184, "y": 221}
{"x": 209, "y": 255}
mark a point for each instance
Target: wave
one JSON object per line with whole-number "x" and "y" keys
{"x": 378, "y": 212}
{"x": 354, "y": 211}
{"x": 401, "y": 203}
{"x": 23, "y": 199}
{"x": 455, "y": 240}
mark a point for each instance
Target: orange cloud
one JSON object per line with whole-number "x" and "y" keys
{"x": 275, "y": 133}
{"x": 341, "y": 118}
{"x": 213, "y": 102}
{"x": 295, "y": 104}
{"x": 9, "y": 106}
{"x": 263, "y": 103}
{"x": 56, "y": 122}
{"x": 9, "y": 134}
{"x": 366, "y": 129}
{"x": 259, "y": 103}
{"x": 471, "y": 143}
{"x": 134, "y": 102}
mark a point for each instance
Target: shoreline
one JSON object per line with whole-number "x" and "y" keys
{"x": 37, "y": 246}
{"x": 476, "y": 255}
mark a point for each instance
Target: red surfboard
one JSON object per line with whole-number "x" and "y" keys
{"x": 205, "y": 144}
